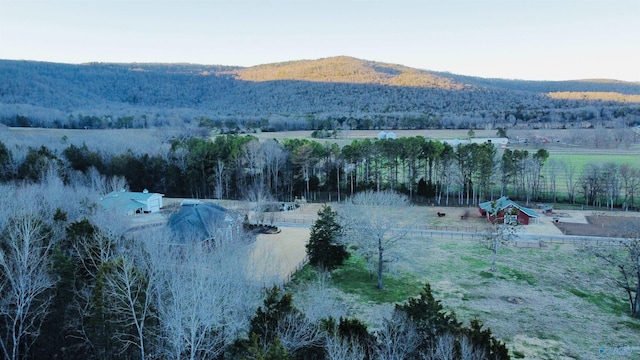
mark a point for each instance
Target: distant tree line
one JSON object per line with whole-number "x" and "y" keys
{"x": 241, "y": 167}
{"x": 577, "y": 117}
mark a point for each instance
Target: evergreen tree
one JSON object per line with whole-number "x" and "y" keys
{"x": 323, "y": 248}
{"x": 484, "y": 340}
{"x": 36, "y": 163}
{"x": 354, "y": 329}
{"x": 6, "y": 159}
{"x": 276, "y": 306}
{"x": 429, "y": 315}
{"x": 277, "y": 331}
{"x": 433, "y": 322}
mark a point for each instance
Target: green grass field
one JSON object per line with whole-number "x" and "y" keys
{"x": 579, "y": 160}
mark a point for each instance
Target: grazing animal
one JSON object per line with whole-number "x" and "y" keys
{"x": 441, "y": 214}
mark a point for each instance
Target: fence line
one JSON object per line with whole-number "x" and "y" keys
{"x": 292, "y": 220}
{"x": 527, "y": 240}
{"x": 480, "y": 232}
{"x": 453, "y": 228}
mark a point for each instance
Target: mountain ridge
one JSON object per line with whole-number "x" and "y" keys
{"x": 300, "y": 91}
{"x": 242, "y": 69}
{"x": 328, "y": 64}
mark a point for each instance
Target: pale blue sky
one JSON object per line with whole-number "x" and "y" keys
{"x": 521, "y": 39}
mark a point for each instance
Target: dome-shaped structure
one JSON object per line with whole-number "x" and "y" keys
{"x": 205, "y": 221}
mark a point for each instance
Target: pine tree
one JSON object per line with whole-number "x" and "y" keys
{"x": 323, "y": 248}
{"x": 484, "y": 340}
{"x": 276, "y": 306}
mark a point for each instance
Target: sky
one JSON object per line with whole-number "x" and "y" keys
{"x": 511, "y": 39}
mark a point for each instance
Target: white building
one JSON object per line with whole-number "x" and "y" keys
{"x": 133, "y": 202}
{"x": 386, "y": 135}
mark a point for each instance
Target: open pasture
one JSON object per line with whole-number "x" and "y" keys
{"x": 549, "y": 303}
{"x": 554, "y": 302}
{"x": 150, "y": 141}
{"x": 579, "y": 160}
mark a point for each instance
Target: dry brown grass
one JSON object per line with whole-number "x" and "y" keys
{"x": 569, "y": 309}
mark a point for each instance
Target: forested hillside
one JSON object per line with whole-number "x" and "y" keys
{"x": 338, "y": 92}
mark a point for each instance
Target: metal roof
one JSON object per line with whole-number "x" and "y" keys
{"x": 202, "y": 221}
{"x": 127, "y": 200}
{"x": 503, "y": 203}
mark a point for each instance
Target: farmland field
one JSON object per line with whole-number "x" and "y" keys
{"x": 580, "y": 160}
{"x": 151, "y": 141}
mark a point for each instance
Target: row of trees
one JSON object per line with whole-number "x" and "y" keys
{"x": 241, "y": 167}
{"x": 611, "y": 118}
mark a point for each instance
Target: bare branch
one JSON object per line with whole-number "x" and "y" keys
{"x": 374, "y": 225}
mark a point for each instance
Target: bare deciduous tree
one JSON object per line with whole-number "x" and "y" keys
{"x": 295, "y": 332}
{"x": 444, "y": 348}
{"x": 317, "y": 301}
{"x": 24, "y": 282}
{"x": 259, "y": 195}
{"x": 375, "y": 224}
{"x": 220, "y": 177}
{"x": 449, "y": 347}
{"x": 626, "y": 259}
{"x": 255, "y": 158}
{"x": 275, "y": 158}
{"x": 398, "y": 338}
{"x": 339, "y": 348}
{"x": 503, "y": 230}
{"x": 204, "y": 299}
{"x": 127, "y": 288}
{"x": 569, "y": 176}
{"x": 468, "y": 351}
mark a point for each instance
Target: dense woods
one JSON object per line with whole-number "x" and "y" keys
{"x": 333, "y": 93}
{"x": 242, "y": 167}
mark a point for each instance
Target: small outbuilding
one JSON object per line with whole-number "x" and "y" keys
{"x": 504, "y": 210}
{"x": 387, "y": 135}
{"x": 131, "y": 203}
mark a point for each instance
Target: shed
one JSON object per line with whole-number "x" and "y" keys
{"x": 505, "y": 210}
{"x": 130, "y": 202}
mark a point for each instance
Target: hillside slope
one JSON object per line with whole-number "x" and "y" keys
{"x": 344, "y": 69}
{"x": 302, "y": 94}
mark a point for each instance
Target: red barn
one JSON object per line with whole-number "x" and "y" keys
{"x": 504, "y": 210}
